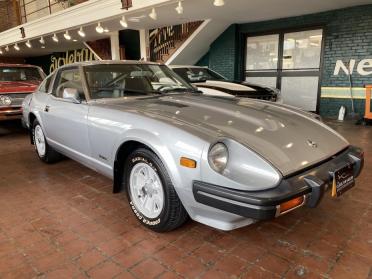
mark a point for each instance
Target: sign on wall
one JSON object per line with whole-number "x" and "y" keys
{"x": 363, "y": 67}
{"x": 69, "y": 57}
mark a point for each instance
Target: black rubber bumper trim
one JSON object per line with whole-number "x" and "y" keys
{"x": 261, "y": 205}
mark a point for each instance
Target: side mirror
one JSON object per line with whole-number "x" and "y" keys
{"x": 72, "y": 95}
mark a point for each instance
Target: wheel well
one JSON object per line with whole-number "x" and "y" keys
{"x": 121, "y": 156}
{"x": 31, "y": 119}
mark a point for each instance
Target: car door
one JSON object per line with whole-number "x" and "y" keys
{"x": 65, "y": 120}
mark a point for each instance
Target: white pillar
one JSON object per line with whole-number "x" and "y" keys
{"x": 115, "y": 46}
{"x": 144, "y": 43}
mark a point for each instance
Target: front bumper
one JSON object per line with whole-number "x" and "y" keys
{"x": 311, "y": 183}
{"x": 10, "y": 113}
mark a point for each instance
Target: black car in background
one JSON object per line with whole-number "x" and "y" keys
{"x": 212, "y": 83}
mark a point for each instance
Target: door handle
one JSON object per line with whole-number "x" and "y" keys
{"x": 46, "y": 109}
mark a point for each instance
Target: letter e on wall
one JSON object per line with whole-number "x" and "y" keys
{"x": 365, "y": 67}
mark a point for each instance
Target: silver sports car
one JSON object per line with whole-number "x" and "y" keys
{"x": 178, "y": 154}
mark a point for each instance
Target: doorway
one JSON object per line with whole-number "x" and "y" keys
{"x": 289, "y": 61}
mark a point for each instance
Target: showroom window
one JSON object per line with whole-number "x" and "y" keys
{"x": 289, "y": 61}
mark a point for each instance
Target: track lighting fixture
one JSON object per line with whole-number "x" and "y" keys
{"x": 16, "y": 47}
{"x": 42, "y": 40}
{"x": 81, "y": 32}
{"x": 67, "y": 35}
{"x": 179, "y": 8}
{"x": 55, "y": 38}
{"x": 219, "y": 3}
{"x": 99, "y": 28}
{"x": 123, "y": 22}
{"x": 153, "y": 15}
{"x": 28, "y": 44}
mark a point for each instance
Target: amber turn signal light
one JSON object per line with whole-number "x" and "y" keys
{"x": 288, "y": 205}
{"x": 188, "y": 163}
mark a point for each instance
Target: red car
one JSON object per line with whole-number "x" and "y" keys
{"x": 16, "y": 82}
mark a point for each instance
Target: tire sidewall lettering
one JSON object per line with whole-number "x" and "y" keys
{"x": 142, "y": 218}
{"x": 138, "y": 214}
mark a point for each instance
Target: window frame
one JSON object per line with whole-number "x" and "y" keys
{"x": 57, "y": 77}
{"x": 280, "y": 72}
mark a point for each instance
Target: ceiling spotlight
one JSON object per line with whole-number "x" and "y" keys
{"x": 16, "y": 47}
{"x": 1, "y": 51}
{"x": 153, "y": 14}
{"x": 219, "y": 3}
{"x": 67, "y": 35}
{"x": 81, "y": 32}
{"x": 42, "y": 40}
{"x": 28, "y": 44}
{"x": 179, "y": 8}
{"x": 55, "y": 38}
{"x": 74, "y": 40}
{"x": 7, "y": 48}
{"x": 124, "y": 22}
{"x": 99, "y": 28}
{"x": 42, "y": 46}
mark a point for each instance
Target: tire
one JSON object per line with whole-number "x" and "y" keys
{"x": 168, "y": 212}
{"x": 43, "y": 150}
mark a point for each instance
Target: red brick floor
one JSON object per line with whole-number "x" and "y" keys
{"x": 62, "y": 221}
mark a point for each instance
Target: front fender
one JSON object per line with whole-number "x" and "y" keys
{"x": 151, "y": 141}
{"x": 170, "y": 150}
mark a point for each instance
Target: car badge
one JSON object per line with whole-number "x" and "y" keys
{"x": 312, "y": 143}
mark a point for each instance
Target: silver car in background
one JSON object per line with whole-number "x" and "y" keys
{"x": 224, "y": 162}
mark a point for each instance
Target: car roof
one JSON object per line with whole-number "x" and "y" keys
{"x": 110, "y": 62}
{"x": 186, "y": 66}
{"x": 17, "y": 65}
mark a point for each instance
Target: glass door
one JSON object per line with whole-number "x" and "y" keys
{"x": 289, "y": 61}
{"x": 262, "y": 59}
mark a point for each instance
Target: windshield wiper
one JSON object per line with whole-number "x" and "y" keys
{"x": 177, "y": 89}
{"x": 124, "y": 90}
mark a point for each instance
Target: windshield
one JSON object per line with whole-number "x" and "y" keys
{"x": 123, "y": 80}
{"x": 20, "y": 74}
{"x": 198, "y": 74}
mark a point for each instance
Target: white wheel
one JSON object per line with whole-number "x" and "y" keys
{"x": 45, "y": 152}
{"x": 147, "y": 190}
{"x": 40, "y": 141}
{"x": 150, "y": 192}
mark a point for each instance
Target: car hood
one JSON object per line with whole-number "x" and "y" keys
{"x": 288, "y": 139}
{"x": 18, "y": 86}
{"x": 226, "y": 84}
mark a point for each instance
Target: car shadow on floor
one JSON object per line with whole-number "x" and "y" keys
{"x": 11, "y": 127}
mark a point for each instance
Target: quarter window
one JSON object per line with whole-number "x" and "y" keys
{"x": 44, "y": 86}
{"x": 69, "y": 78}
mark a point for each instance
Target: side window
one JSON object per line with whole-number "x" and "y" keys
{"x": 183, "y": 73}
{"x": 44, "y": 86}
{"x": 69, "y": 78}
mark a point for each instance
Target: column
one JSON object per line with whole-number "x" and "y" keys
{"x": 144, "y": 44}
{"x": 115, "y": 46}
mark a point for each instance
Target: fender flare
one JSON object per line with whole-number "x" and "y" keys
{"x": 155, "y": 144}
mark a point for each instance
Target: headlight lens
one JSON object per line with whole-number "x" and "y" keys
{"x": 5, "y": 100}
{"x": 218, "y": 157}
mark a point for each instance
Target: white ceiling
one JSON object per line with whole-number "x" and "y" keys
{"x": 234, "y": 11}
